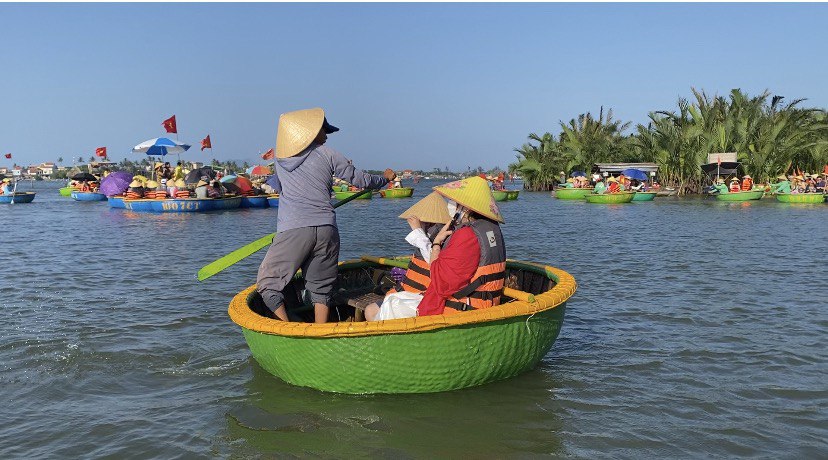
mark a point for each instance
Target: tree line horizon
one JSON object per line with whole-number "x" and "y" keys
{"x": 770, "y": 136}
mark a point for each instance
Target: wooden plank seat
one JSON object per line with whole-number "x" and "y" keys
{"x": 360, "y": 302}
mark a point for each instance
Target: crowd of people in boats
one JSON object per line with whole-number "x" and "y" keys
{"x": 459, "y": 258}
{"x": 611, "y": 184}
{"x": 807, "y": 183}
{"x": 169, "y": 182}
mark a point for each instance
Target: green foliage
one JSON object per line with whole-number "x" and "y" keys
{"x": 770, "y": 136}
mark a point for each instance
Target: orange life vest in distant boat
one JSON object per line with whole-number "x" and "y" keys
{"x": 132, "y": 195}
{"x": 182, "y": 194}
{"x": 486, "y": 286}
{"x": 84, "y": 188}
{"x": 734, "y": 187}
{"x": 614, "y": 187}
{"x": 747, "y": 184}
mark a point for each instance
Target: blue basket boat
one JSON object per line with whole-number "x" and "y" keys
{"x": 88, "y": 196}
{"x": 254, "y": 202}
{"x": 273, "y": 201}
{"x": 19, "y": 197}
{"x": 116, "y": 202}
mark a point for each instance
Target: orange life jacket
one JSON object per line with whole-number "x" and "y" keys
{"x": 182, "y": 194}
{"x": 417, "y": 276}
{"x": 747, "y": 184}
{"x": 486, "y": 286}
{"x": 734, "y": 187}
{"x": 614, "y": 187}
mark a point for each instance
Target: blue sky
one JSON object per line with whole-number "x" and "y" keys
{"x": 411, "y": 85}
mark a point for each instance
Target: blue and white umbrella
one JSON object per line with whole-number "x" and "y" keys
{"x": 160, "y": 146}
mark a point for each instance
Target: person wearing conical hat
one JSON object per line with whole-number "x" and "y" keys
{"x": 747, "y": 182}
{"x": 783, "y": 186}
{"x": 469, "y": 272}
{"x": 308, "y": 237}
{"x": 600, "y": 188}
{"x": 201, "y": 190}
{"x": 7, "y": 188}
{"x": 613, "y": 186}
{"x": 426, "y": 218}
{"x": 734, "y": 185}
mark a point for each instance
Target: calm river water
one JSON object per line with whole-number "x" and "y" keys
{"x": 699, "y": 329}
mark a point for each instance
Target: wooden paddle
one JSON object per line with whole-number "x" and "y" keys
{"x": 243, "y": 252}
{"x": 509, "y": 292}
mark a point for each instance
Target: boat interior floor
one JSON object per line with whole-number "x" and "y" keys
{"x": 356, "y": 288}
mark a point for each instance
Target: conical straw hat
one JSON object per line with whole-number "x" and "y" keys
{"x": 180, "y": 183}
{"x": 430, "y": 209}
{"x": 473, "y": 193}
{"x": 136, "y": 183}
{"x": 297, "y": 130}
{"x": 152, "y": 184}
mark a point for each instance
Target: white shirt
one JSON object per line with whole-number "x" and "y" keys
{"x": 419, "y": 240}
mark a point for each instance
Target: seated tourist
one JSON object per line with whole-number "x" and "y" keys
{"x": 600, "y": 187}
{"x": 734, "y": 185}
{"x": 135, "y": 190}
{"x": 783, "y": 186}
{"x": 820, "y": 183}
{"x": 7, "y": 188}
{"x": 469, "y": 272}
{"x": 201, "y": 189}
{"x": 612, "y": 185}
{"x": 747, "y": 183}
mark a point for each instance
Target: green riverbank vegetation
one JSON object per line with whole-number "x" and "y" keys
{"x": 771, "y": 137}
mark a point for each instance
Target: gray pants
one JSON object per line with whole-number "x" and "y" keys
{"x": 313, "y": 249}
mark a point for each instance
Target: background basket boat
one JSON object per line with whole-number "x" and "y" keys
{"x": 413, "y": 355}
{"x": 512, "y": 194}
{"x": 19, "y": 197}
{"x": 644, "y": 196}
{"x": 254, "y": 202}
{"x": 342, "y": 195}
{"x": 65, "y": 191}
{"x": 273, "y": 201}
{"x": 116, "y": 202}
{"x": 571, "y": 193}
{"x": 800, "y": 197}
{"x": 741, "y": 196}
{"x": 88, "y": 196}
{"x": 500, "y": 195}
{"x": 610, "y": 198}
{"x": 404, "y": 192}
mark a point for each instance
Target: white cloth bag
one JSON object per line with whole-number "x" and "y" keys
{"x": 399, "y": 305}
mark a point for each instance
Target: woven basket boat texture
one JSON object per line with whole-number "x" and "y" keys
{"x": 571, "y": 193}
{"x": 741, "y": 196}
{"x": 404, "y": 192}
{"x": 413, "y": 355}
{"x": 800, "y": 197}
{"x": 610, "y": 198}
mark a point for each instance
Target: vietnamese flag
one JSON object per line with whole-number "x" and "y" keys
{"x": 101, "y": 152}
{"x": 169, "y": 125}
{"x": 8, "y": 156}
{"x": 205, "y": 143}
{"x": 268, "y": 155}
{"x": 719, "y": 160}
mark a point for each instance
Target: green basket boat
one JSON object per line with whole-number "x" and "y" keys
{"x": 343, "y": 195}
{"x": 610, "y": 198}
{"x": 572, "y": 193}
{"x": 512, "y": 194}
{"x": 500, "y": 195}
{"x": 741, "y": 196}
{"x": 404, "y": 192}
{"x": 800, "y": 197}
{"x": 644, "y": 196}
{"x": 65, "y": 191}
{"x": 414, "y": 355}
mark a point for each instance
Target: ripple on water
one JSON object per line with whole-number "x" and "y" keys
{"x": 682, "y": 341}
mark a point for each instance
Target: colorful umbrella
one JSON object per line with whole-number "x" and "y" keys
{"x": 195, "y": 175}
{"x": 259, "y": 170}
{"x": 84, "y": 176}
{"x": 242, "y": 183}
{"x": 160, "y": 146}
{"x": 116, "y": 183}
{"x": 635, "y": 174}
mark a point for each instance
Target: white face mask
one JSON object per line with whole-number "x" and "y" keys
{"x": 452, "y": 207}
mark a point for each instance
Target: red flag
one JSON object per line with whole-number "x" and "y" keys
{"x": 101, "y": 152}
{"x": 268, "y": 155}
{"x": 205, "y": 143}
{"x": 8, "y": 156}
{"x": 719, "y": 160}
{"x": 169, "y": 125}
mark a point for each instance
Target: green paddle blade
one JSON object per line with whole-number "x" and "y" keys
{"x": 235, "y": 256}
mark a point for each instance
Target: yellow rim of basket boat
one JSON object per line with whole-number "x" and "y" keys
{"x": 564, "y": 288}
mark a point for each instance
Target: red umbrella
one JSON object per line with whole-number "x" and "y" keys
{"x": 242, "y": 183}
{"x": 260, "y": 171}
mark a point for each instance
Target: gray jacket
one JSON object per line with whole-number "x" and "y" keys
{"x": 304, "y": 185}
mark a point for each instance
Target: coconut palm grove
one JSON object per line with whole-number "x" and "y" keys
{"x": 771, "y": 134}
